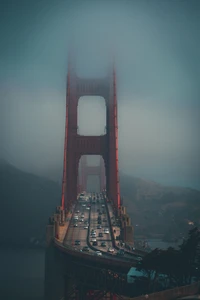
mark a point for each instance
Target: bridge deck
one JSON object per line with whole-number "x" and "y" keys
{"x": 69, "y": 234}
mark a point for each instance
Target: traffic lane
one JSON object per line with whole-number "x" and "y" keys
{"x": 77, "y": 233}
{"x": 83, "y": 232}
{"x": 94, "y": 224}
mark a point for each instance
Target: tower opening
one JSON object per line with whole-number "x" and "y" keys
{"x": 91, "y": 116}
{"x": 93, "y": 183}
{"x": 91, "y": 174}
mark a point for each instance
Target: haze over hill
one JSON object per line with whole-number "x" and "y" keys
{"x": 27, "y": 201}
{"x": 157, "y": 53}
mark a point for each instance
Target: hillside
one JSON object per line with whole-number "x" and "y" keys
{"x": 27, "y": 201}
{"x": 158, "y": 209}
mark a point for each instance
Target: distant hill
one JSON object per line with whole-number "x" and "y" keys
{"x": 28, "y": 200}
{"x": 158, "y": 209}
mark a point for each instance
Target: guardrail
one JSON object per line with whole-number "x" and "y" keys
{"x": 113, "y": 260}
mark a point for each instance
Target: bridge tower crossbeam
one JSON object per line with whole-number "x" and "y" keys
{"x": 77, "y": 145}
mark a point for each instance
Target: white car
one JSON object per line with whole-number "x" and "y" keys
{"x": 106, "y": 231}
{"x": 93, "y": 239}
{"x": 86, "y": 227}
{"x": 111, "y": 250}
{"x": 88, "y": 208}
{"x": 98, "y": 253}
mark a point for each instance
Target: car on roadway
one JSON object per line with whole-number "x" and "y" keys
{"x": 77, "y": 242}
{"x": 98, "y": 253}
{"x": 121, "y": 252}
{"x": 85, "y": 249}
{"x": 111, "y": 250}
{"x": 103, "y": 244}
{"x": 139, "y": 258}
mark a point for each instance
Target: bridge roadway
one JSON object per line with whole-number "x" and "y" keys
{"x": 84, "y": 235}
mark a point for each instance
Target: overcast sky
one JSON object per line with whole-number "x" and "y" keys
{"x": 157, "y": 53}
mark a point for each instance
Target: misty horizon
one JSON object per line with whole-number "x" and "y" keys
{"x": 157, "y": 54}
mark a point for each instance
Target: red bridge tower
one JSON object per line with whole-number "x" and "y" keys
{"x": 77, "y": 145}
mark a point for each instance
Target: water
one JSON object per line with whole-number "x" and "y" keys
{"x": 21, "y": 274}
{"x": 156, "y": 243}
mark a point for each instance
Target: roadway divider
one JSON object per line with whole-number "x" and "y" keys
{"x": 113, "y": 237}
{"x": 110, "y": 225}
{"x": 90, "y": 245}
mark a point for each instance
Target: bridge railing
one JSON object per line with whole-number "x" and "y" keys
{"x": 106, "y": 256}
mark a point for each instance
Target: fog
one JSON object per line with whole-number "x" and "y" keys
{"x": 157, "y": 50}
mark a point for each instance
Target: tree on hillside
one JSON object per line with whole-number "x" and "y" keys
{"x": 189, "y": 253}
{"x": 172, "y": 267}
{"x": 150, "y": 267}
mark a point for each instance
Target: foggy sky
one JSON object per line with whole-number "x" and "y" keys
{"x": 157, "y": 51}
